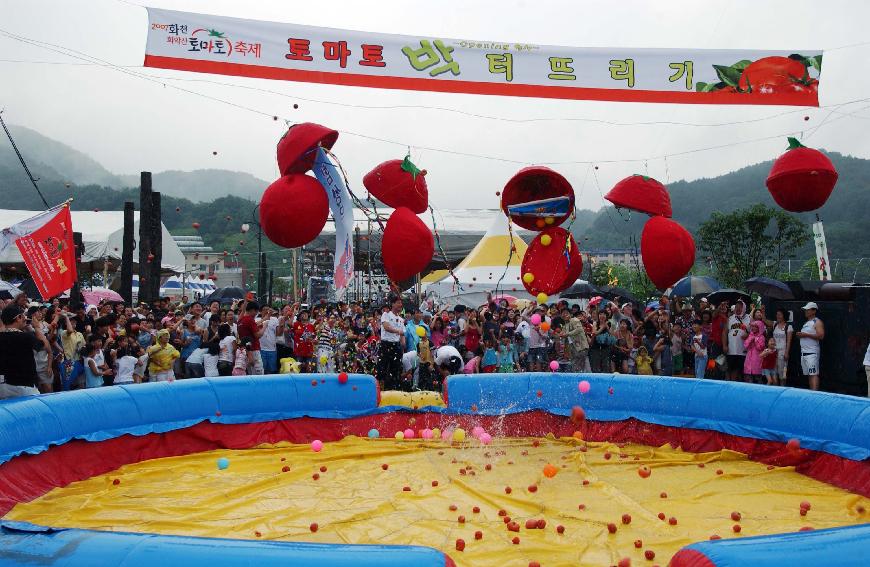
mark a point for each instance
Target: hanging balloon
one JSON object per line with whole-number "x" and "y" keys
{"x": 296, "y": 148}
{"x": 399, "y": 183}
{"x": 801, "y": 179}
{"x": 553, "y": 267}
{"x": 293, "y": 210}
{"x": 195, "y": 225}
{"x": 407, "y": 245}
{"x": 643, "y": 194}
{"x": 668, "y": 251}
{"x": 537, "y": 197}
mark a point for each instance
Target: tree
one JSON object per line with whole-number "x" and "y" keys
{"x": 633, "y": 279}
{"x": 750, "y": 242}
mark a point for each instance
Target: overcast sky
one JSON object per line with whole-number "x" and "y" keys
{"x": 129, "y": 124}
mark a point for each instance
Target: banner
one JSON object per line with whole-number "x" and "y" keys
{"x": 822, "y": 261}
{"x": 290, "y": 52}
{"x": 46, "y": 244}
{"x": 342, "y": 214}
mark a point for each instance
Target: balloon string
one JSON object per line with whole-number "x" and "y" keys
{"x": 441, "y": 249}
{"x": 510, "y": 257}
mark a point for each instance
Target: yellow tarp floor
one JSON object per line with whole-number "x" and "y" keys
{"x": 357, "y": 500}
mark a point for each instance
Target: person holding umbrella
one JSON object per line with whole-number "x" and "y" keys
{"x": 811, "y": 336}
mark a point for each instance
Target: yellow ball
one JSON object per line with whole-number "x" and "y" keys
{"x": 528, "y": 277}
{"x": 549, "y": 220}
{"x": 459, "y": 434}
{"x": 546, "y": 239}
{"x": 323, "y": 359}
{"x": 543, "y": 297}
{"x": 399, "y": 435}
{"x": 436, "y": 433}
{"x": 421, "y": 331}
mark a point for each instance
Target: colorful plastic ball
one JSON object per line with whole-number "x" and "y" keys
{"x": 317, "y": 445}
{"x": 545, "y": 326}
{"x": 543, "y": 297}
{"x": 584, "y": 387}
{"x": 793, "y": 445}
{"x": 476, "y": 431}
{"x": 485, "y": 438}
{"x": 546, "y": 240}
{"x": 550, "y": 470}
{"x": 323, "y": 359}
{"x": 549, "y": 220}
{"x": 540, "y": 223}
{"x": 459, "y": 434}
{"x": 409, "y": 433}
{"x": 421, "y": 331}
{"x": 342, "y": 377}
{"x": 399, "y": 435}
{"x": 374, "y": 433}
{"x": 436, "y": 433}
{"x": 528, "y": 277}
{"x": 535, "y": 319}
{"x": 554, "y": 365}
{"x": 426, "y": 434}
{"x": 223, "y": 463}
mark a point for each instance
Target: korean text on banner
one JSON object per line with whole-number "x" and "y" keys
{"x": 46, "y": 245}
{"x": 290, "y": 52}
{"x": 342, "y": 213}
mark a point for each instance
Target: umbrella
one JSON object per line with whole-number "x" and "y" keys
{"x": 95, "y": 295}
{"x": 8, "y": 291}
{"x": 653, "y": 305}
{"x": 29, "y": 287}
{"x": 613, "y": 292}
{"x": 769, "y": 287}
{"x": 579, "y": 290}
{"x": 729, "y": 295}
{"x": 595, "y": 300}
{"x": 690, "y": 286}
{"x": 512, "y": 300}
{"x": 225, "y": 295}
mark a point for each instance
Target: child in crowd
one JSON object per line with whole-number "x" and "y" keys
{"x": 677, "y": 348}
{"x": 473, "y": 364}
{"x": 632, "y": 356}
{"x": 141, "y": 364}
{"x": 699, "y": 348}
{"x": 125, "y": 363}
{"x": 644, "y": 362}
{"x": 754, "y": 344}
{"x": 427, "y": 363}
{"x": 507, "y": 354}
{"x": 95, "y": 363}
{"x": 489, "y": 363}
{"x": 243, "y": 358}
{"x": 768, "y": 362}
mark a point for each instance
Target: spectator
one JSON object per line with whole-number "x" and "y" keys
{"x": 18, "y": 373}
{"x": 768, "y": 362}
{"x": 811, "y": 336}
{"x": 390, "y": 354}
{"x": 700, "y": 345}
{"x": 736, "y": 332}
{"x": 782, "y": 334}
{"x": 161, "y": 357}
{"x": 248, "y": 327}
{"x": 269, "y": 339}
{"x": 227, "y": 350}
{"x": 754, "y": 345}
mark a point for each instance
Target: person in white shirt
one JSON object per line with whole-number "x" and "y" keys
{"x": 125, "y": 363}
{"x": 268, "y": 340}
{"x": 734, "y": 333}
{"x": 227, "y": 350}
{"x": 390, "y": 354}
{"x": 811, "y": 335}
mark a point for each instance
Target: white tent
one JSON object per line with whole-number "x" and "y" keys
{"x": 102, "y": 236}
{"x": 484, "y": 269}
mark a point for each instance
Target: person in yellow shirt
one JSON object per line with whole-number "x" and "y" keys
{"x": 160, "y": 358}
{"x": 644, "y": 362}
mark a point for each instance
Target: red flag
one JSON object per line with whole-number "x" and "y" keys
{"x": 49, "y": 253}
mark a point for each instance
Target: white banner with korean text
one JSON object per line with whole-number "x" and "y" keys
{"x": 291, "y": 52}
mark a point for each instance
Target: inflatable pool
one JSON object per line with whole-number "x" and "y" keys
{"x": 221, "y": 472}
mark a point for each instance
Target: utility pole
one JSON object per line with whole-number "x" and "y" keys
{"x": 128, "y": 245}
{"x": 295, "y": 275}
{"x": 150, "y": 240}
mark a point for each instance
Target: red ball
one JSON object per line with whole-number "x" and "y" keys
{"x": 515, "y": 540}
{"x": 626, "y": 519}
{"x": 644, "y": 471}
{"x": 296, "y": 148}
{"x": 195, "y": 225}
{"x": 624, "y": 562}
{"x": 407, "y": 245}
{"x": 668, "y": 251}
{"x": 736, "y": 528}
{"x": 793, "y": 445}
{"x": 642, "y": 194}
{"x": 313, "y": 527}
{"x": 116, "y": 482}
{"x": 478, "y": 535}
{"x": 293, "y": 210}
{"x": 672, "y": 521}
{"x": 649, "y": 554}
{"x": 577, "y": 414}
{"x": 507, "y": 490}
{"x": 285, "y": 468}
{"x": 638, "y": 543}
{"x": 460, "y": 545}
{"x": 736, "y": 516}
{"x": 533, "y": 184}
{"x": 385, "y": 466}
{"x": 342, "y": 377}
{"x": 553, "y": 271}
{"x": 396, "y": 187}
{"x": 801, "y": 179}
{"x": 611, "y": 527}
{"x": 560, "y": 529}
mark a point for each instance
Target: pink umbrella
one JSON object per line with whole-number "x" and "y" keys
{"x": 95, "y": 295}
{"x": 595, "y": 301}
{"x": 512, "y": 301}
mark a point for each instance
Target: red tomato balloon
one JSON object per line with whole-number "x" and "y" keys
{"x": 801, "y": 179}
{"x": 668, "y": 251}
{"x": 407, "y": 246}
{"x": 643, "y": 194}
{"x": 397, "y": 187}
{"x": 293, "y": 210}
{"x": 533, "y": 184}
{"x": 297, "y": 147}
{"x": 556, "y": 266}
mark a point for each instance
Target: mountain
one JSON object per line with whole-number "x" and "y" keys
{"x": 50, "y": 160}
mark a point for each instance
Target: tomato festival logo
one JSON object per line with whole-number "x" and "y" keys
{"x": 207, "y": 40}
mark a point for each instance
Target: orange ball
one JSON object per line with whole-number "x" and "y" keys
{"x": 545, "y": 326}
{"x": 550, "y": 470}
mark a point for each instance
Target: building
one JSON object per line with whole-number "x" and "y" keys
{"x": 202, "y": 261}
{"x": 616, "y": 256}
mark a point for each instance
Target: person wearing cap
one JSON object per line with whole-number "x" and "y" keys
{"x": 161, "y": 358}
{"x": 811, "y": 336}
{"x": 17, "y": 367}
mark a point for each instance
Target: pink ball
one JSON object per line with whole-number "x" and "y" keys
{"x": 554, "y": 365}
{"x": 584, "y": 387}
{"x": 426, "y": 433}
{"x": 316, "y": 445}
{"x": 447, "y": 434}
{"x": 485, "y": 438}
{"x": 535, "y": 319}
{"x": 477, "y": 431}
{"x": 409, "y": 433}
